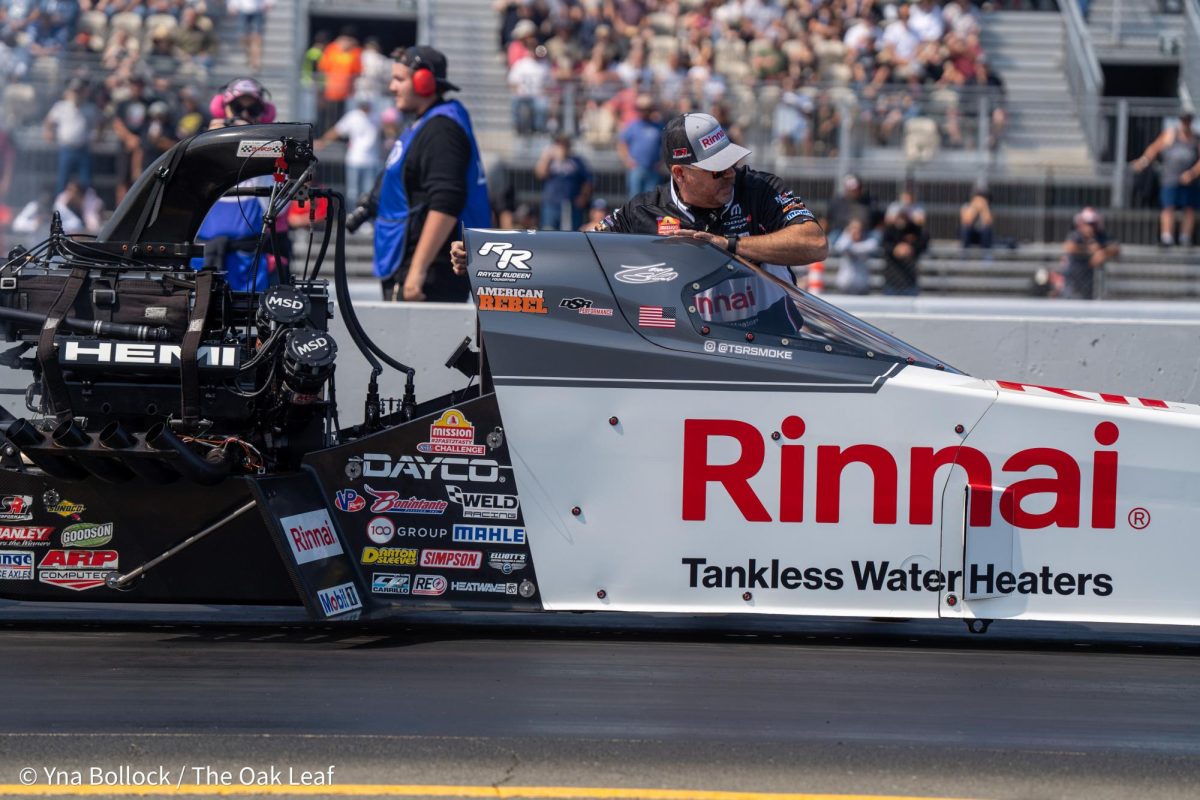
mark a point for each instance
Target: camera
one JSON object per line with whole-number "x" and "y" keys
{"x": 364, "y": 211}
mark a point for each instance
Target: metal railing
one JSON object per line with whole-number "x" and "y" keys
{"x": 1084, "y": 75}
{"x": 1189, "y": 65}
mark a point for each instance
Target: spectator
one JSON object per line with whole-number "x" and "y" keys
{"x": 596, "y": 214}
{"x": 340, "y": 64}
{"x": 71, "y": 125}
{"x": 639, "y": 147}
{"x": 120, "y": 49}
{"x": 376, "y": 74}
{"x": 531, "y": 81}
{"x": 80, "y": 209}
{"x": 524, "y": 42}
{"x": 975, "y": 221}
{"x": 903, "y": 243}
{"x": 159, "y": 136}
{"x": 1087, "y": 249}
{"x": 195, "y": 44}
{"x": 312, "y": 82}
{"x": 566, "y": 185}
{"x": 793, "y": 120}
{"x": 853, "y": 203}
{"x": 856, "y": 247}
{"x": 129, "y": 123}
{"x": 8, "y": 157}
{"x": 925, "y": 20}
{"x": 359, "y": 127}
{"x": 193, "y": 116}
{"x": 1180, "y": 153}
{"x": 906, "y": 203}
{"x": 160, "y": 59}
{"x": 54, "y": 27}
{"x": 252, "y": 16}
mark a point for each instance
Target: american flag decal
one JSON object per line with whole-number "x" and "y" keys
{"x": 656, "y": 317}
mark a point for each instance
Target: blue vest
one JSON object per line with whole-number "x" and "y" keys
{"x": 238, "y": 218}
{"x": 391, "y": 222}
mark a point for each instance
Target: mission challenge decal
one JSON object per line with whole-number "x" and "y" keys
{"x": 880, "y": 576}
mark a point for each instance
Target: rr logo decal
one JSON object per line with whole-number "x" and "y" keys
{"x": 508, "y": 257}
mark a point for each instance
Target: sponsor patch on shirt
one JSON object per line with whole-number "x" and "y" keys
{"x": 668, "y": 225}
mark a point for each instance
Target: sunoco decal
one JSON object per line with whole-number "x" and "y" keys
{"x": 65, "y": 508}
{"x": 479, "y": 505}
{"x": 311, "y": 536}
{"x": 16, "y": 508}
{"x": 24, "y": 534}
{"x": 494, "y": 534}
{"x": 87, "y": 534}
{"x": 78, "y": 570}
{"x": 454, "y": 434}
{"x": 884, "y": 576}
{"x": 16, "y": 565}
{"x": 340, "y": 599}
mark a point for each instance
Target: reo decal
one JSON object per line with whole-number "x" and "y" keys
{"x": 651, "y": 273}
{"x": 492, "y": 534}
{"x": 349, "y": 501}
{"x": 507, "y": 563}
{"x": 16, "y": 508}
{"x": 429, "y": 585}
{"x": 831, "y": 460}
{"x": 452, "y": 433}
{"x": 390, "y": 556}
{"x": 390, "y": 583}
{"x": 451, "y": 559}
{"x": 87, "y": 534}
{"x": 444, "y": 468}
{"x": 477, "y": 505}
{"x": 521, "y": 301}
{"x": 78, "y": 570}
{"x": 311, "y": 536}
{"x": 389, "y": 501}
{"x": 340, "y": 599}
{"x": 16, "y": 565}
{"x": 22, "y": 534}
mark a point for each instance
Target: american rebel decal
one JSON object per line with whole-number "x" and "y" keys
{"x": 452, "y": 433}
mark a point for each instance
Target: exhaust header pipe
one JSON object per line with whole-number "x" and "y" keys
{"x": 152, "y": 470}
{"x": 25, "y": 436}
{"x": 200, "y": 470}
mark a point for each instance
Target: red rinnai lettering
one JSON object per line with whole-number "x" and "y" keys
{"x": 735, "y": 477}
{"x": 924, "y": 465}
{"x": 1064, "y": 486}
{"x": 831, "y": 460}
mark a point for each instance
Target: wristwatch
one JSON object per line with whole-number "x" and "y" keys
{"x": 731, "y": 244}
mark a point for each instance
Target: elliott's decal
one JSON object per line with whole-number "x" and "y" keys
{"x": 453, "y": 434}
{"x": 883, "y": 576}
{"x": 796, "y": 466}
{"x": 451, "y": 469}
{"x": 507, "y": 563}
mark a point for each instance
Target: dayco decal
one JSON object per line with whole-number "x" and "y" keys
{"x": 340, "y": 599}
{"x": 16, "y": 565}
{"x": 477, "y": 505}
{"x": 501, "y": 298}
{"x": 584, "y": 306}
{"x": 87, "y": 534}
{"x": 25, "y": 534}
{"x": 651, "y": 273}
{"x": 832, "y": 460}
{"x": 452, "y": 433}
{"x": 77, "y": 569}
{"x": 747, "y": 350}
{"x": 880, "y": 576}
{"x": 508, "y": 257}
{"x": 388, "y": 501}
{"x": 486, "y": 588}
{"x": 311, "y": 536}
{"x": 507, "y": 563}
{"x": 429, "y": 584}
{"x": 16, "y": 508}
{"x": 390, "y": 556}
{"x": 390, "y": 583}
{"x": 495, "y": 534}
{"x": 452, "y": 559}
{"x": 349, "y": 501}
{"x": 447, "y": 468}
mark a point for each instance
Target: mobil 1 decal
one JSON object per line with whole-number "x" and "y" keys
{"x": 431, "y": 511}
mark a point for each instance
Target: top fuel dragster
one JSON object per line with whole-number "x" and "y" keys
{"x": 649, "y": 425}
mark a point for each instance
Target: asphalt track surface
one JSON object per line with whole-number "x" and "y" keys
{"x": 495, "y": 703}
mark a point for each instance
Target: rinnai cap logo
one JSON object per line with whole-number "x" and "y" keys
{"x": 699, "y": 140}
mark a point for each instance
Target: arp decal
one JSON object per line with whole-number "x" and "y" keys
{"x": 650, "y": 273}
{"x": 78, "y": 570}
{"x": 340, "y": 599}
{"x": 831, "y": 460}
{"x": 514, "y": 299}
{"x": 16, "y": 565}
{"x": 16, "y": 508}
{"x": 389, "y": 501}
{"x": 452, "y": 433}
{"x": 480, "y": 505}
{"x": 311, "y": 536}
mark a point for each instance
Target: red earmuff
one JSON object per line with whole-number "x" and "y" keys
{"x": 424, "y": 82}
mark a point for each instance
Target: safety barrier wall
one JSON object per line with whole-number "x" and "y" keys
{"x": 1137, "y": 349}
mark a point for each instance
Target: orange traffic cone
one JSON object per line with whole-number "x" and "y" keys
{"x": 816, "y": 277}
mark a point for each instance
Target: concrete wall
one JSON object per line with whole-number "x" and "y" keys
{"x": 1140, "y": 349}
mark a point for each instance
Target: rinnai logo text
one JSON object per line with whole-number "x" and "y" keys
{"x": 16, "y": 565}
{"x": 16, "y": 508}
{"x": 340, "y": 599}
{"x": 452, "y": 433}
{"x": 502, "y": 298}
{"x": 445, "y": 468}
{"x": 25, "y": 534}
{"x": 714, "y": 138}
{"x": 150, "y": 355}
{"x": 311, "y": 536}
{"x": 477, "y": 505}
{"x": 78, "y": 570}
{"x": 831, "y": 461}
{"x": 493, "y": 534}
{"x": 452, "y": 559}
{"x": 388, "y": 501}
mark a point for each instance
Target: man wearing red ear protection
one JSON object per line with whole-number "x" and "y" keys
{"x": 433, "y": 182}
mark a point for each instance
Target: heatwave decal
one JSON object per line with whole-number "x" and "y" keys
{"x": 504, "y": 298}
{"x": 79, "y": 570}
{"x": 454, "y": 434}
{"x": 478, "y": 505}
{"x": 16, "y": 565}
{"x": 452, "y": 559}
{"x": 311, "y": 536}
{"x": 797, "y": 464}
{"x": 881, "y": 576}
{"x": 340, "y": 599}
{"x": 25, "y": 534}
{"x": 389, "y": 501}
{"x": 16, "y": 508}
{"x": 485, "y": 588}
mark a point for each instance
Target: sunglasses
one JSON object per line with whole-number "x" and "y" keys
{"x": 716, "y": 176}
